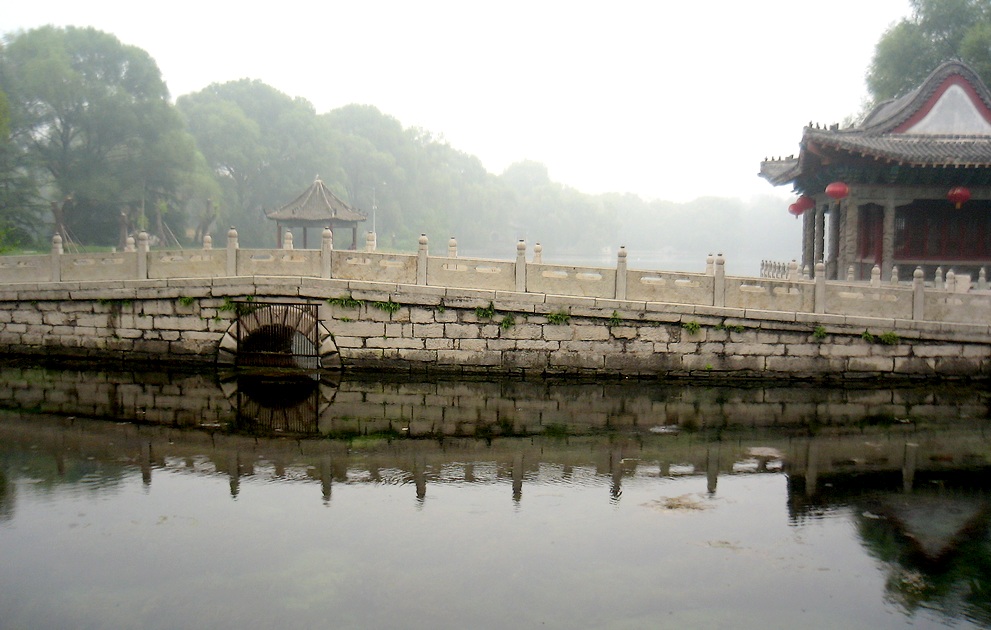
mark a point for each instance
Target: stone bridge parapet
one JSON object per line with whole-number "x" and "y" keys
{"x": 420, "y": 312}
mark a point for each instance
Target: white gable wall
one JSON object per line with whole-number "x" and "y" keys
{"x": 953, "y": 114}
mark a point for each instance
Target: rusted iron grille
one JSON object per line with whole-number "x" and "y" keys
{"x": 271, "y": 334}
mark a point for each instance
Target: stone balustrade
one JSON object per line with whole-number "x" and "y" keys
{"x": 781, "y": 289}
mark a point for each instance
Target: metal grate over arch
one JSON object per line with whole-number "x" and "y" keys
{"x": 279, "y": 335}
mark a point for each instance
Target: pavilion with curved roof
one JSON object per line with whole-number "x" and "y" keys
{"x": 318, "y": 207}
{"x": 912, "y": 183}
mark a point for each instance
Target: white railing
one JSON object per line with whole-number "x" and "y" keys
{"x": 945, "y": 299}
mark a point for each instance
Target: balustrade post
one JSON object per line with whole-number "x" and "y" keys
{"x": 56, "y": 261}
{"x": 129, "y": 245}
{"x": 938, "y": 280}
{"x": 719, "y": 283}
{"x": 820, "y": 290}
{"x": 710, "y": 266}
{"x": 850, "y": 274}
{"x": 143, "y": 248}
{"x": 207, "y": 241}
{"x": 918, "y": 294}
{"x": 951, "y": 281}
{"x": 287, "y": 240}
{"x": 371, "y": 242}
{"x": 982, "y": 280}
{"x": 327, "y": 253}
{"x": 806, "y": 273}
{"x": 521, "y": 266}
{"x": 421, "y": 261}
{"x": 538, "y": 254}
{"x": 793, "y": 271}
{"x": 232, "y": 252}
{"x": 894, "y": 275}
{"x": 452, "y": 248}
{"x": 621, "y": 273}
{"x": 875, "y": 276}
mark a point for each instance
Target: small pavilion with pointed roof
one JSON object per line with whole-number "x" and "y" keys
{"x": 317, "y": 207}
{"x": 910, "y": 186}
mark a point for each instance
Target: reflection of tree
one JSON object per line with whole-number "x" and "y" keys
{"x": 957, "y": 584}
{"x": 55, "y": 468}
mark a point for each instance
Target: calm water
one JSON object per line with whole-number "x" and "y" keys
{"x": 208, "y": 501}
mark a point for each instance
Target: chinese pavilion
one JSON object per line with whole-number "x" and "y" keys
{"x": 317, "y": 207}
{"x": 908, "y": 187}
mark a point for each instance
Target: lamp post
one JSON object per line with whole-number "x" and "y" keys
{"x": 374, "y": 208}
{"x": 375, "y": 205}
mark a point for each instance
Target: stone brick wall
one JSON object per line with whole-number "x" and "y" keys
{"x": 475, "y": 331}
{"x": 382, "y": 326}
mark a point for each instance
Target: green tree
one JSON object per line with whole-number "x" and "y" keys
{"x": 20, "y": 210}
{"x": 413, "y": 181}
{"x": 938, "y": 30}
{"x": 92, "y": 118}
{"x": 264, "y": 147}
{"x": 562, "y": 219}
{"x": 373, "y": 147}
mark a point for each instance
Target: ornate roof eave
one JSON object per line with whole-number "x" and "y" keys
{"x": 895, "y": 144}
{"x": 317, "y": 204}
{"x": 916, "y": 151}
{"x": 780, "y": 171}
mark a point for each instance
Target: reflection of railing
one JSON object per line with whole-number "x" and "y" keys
{"x": 952, "y": 454}
{"x": 427, "y": 430}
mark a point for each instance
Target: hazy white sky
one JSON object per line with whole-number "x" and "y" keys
{"x": 665, "y": 99}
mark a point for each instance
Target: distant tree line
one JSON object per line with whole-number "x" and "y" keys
{"x": 90, "y": 139}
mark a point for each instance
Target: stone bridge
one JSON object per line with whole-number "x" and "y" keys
{"x": 368, "y": 310}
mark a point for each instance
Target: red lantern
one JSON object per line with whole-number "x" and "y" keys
{"x": 805, "y": 203}
{"x": 795, "y": 210}
{"x": 958, "y": 196}
{"x": 837, "y": 191}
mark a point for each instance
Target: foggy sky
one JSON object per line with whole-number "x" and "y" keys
{"x": 663, "y": 99}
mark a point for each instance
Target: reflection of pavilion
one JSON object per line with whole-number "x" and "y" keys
{"x": 932, "y": 515}
{"x": 935, "y": 543}
{"x": 935, "y": 521}
{"x": 924, "y": 515}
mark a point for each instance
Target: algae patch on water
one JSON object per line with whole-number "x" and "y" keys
{"x": 683, "y": 503}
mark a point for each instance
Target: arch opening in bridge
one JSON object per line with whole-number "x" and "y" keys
{"x": 278, "y": 335}
{"x": 278, "y": 345}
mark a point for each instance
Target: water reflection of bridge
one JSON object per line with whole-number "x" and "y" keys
{"x": 531, "y": 430}
{"x": 813, "y": 463}
{"x": 831, "y": 445}
{"x": 445, "y": 408}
